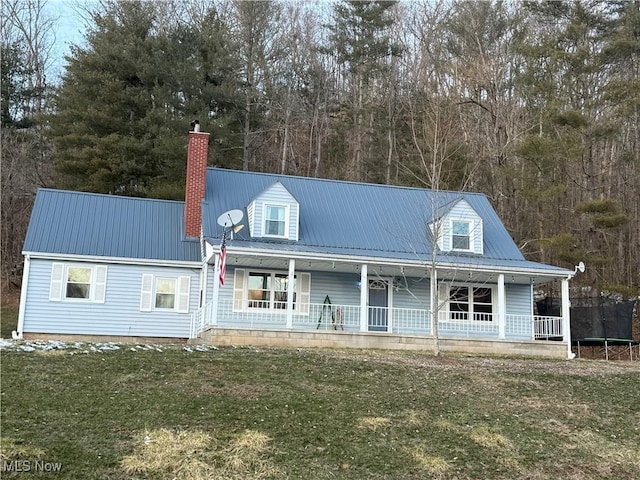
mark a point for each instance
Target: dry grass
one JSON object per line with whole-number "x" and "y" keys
{"x": 433, "y": 466}
{"x": 245, "y": 457}
{"x": 166, "y": 454}
{"x": 196, "y": 455}
{"x": 485, "y": 437}
{"x": 12, "y": 450}
{"x": 373, "y": 423}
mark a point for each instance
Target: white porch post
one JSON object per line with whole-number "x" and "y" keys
{"x": 216, "y": 290}
{"x": 566, "y": 322}
{"x": 290, "y": 282}
{"x": 364, "y": 296}
{"x": 203, "y": 287}
{"x": 533, "y": 316}
{"x": 502, "y": 320}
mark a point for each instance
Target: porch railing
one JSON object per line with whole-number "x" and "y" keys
{"x": 545, "y": 327}
{"x": 405, "y": 321}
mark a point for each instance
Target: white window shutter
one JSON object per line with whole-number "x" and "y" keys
{"x": 184, "y": 284}
{"x": 238, "y": 290}
{"x": 304, "y": 294}
{"x": 146, "y": 295}
{"x": 100, "y": 284}
{"x": 55, "y": 288}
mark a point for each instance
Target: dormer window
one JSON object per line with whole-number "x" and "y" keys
{"x": 275, "y": 214}
{"x": 459, "y": 229}
{"x": 460, "y": 235}
{"x": 275, "y": 220}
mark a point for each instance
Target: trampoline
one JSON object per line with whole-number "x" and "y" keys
{"x": 598, "y": 322}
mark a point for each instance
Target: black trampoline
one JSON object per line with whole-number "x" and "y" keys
{"x": 598, "y": 322}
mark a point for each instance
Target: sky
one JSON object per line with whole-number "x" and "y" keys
{"x": 69, "y": 29}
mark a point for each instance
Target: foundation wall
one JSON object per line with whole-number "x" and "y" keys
{"x": 365, "y": 340}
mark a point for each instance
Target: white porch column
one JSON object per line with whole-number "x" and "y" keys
{"x": 216, "y": 289}
{"x": 566, "y": 320}
{"x": 203, "y": 287}
{"x": 290, "y": 291}
{"x": 533, "y": 315}
{"x": 502, "y": 319}
{"x": 364, "y": 298}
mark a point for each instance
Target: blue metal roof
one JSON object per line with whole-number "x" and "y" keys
{"x": 75, "y": 223}
{"x": 337, "y": 218}
{"x": 347, "y": 218}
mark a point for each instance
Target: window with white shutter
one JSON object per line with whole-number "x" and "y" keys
{"x": 78, "y": 282}
{"x": 165, "y": 293}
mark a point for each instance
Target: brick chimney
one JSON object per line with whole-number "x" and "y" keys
{"x": 197, "y": 152}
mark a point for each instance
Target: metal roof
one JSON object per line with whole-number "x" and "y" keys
{"x": 75, "y": 223}
{"x": 359, "y": 219}
{"x": 337, "y": 219}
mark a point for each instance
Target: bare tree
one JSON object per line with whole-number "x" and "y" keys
{"x": 27, "y": 23}
{"x": 27, "y": 34}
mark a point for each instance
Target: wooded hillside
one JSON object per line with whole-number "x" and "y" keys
{"x": 535, "y": 104}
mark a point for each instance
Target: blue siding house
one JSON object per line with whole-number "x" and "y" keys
{"x": 317, "y": 262}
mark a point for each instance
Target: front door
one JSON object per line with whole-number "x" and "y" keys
{"x": 378, "y": 306}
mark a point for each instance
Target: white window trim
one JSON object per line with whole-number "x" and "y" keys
{"x": 287, "y": 213}
{"x": 300, "y": 305}
{"x": 472, "y": 234}
{"x": 155, "y": 293}
{"x": 60, "y": 278}
{"x": 471, "y": 286}
{"x": 149, "y": 288}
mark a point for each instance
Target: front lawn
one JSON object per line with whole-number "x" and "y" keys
{"x": 170, "y": 412}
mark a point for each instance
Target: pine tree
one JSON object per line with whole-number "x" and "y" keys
{"x": 128, "y": 97}
{"x": 360, "y": 40}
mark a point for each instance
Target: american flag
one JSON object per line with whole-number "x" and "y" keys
{"x": 223, "y": 257}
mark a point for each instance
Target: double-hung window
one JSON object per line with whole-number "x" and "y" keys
{"x": 471, "y": 303}
{"x": 275, "y": 220}
{"x": 169, "y": 294}
{"x": 78, "y": 282}
{"x": 166, "y": 293}
{"x": 460, "y": 235}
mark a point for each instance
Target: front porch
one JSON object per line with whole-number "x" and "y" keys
{"x": 333, "y": 325}
{"x": 353, "y": 303}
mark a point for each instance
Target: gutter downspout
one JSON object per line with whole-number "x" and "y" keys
{"x": 566, "y": 315}
{"x": 23, "y": 296}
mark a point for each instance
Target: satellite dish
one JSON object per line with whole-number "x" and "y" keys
{"x": 230, "y": 219}
{"x": 581, "y": 267}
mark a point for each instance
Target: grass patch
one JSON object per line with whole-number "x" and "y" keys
{"x": 8, "y": 320}
{"x": 241, "y": 413}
